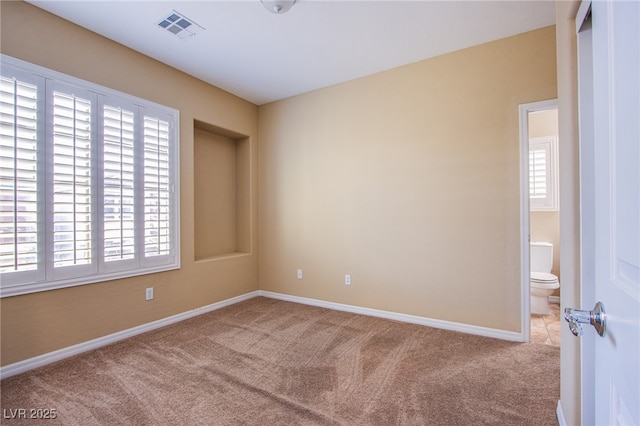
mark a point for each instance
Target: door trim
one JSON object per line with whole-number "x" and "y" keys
{"x": 525, "y": 227}
{"x": 584, "y": 50}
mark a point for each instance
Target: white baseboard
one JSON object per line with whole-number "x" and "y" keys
{"x": 51, "y": 357}
{"x": 554, "y": 299}
{"x": 560, "y": 414}
{"x": 414, "y": 319}
{"x": 48, "y": 358}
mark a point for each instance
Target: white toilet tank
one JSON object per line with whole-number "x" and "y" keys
{"x": 541, "y": 256}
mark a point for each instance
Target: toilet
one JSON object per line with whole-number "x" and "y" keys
{"x": 542, "y": 281}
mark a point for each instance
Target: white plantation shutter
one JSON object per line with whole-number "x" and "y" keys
{"x": 119, "y": 184}
{"x": 71, "y": 179}
{"x": 543, "y": 172}
{"x": 18, "y": 175}
{"x": 157, "y": 187}
{"x": 87, "y": 182}
{"x": 537, "y": 173}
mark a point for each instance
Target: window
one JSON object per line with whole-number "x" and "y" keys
{"x": 88, "y": 182}
{"x": 543, "y": 174}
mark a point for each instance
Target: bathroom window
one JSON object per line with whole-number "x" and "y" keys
{"x": 543, "y": 174}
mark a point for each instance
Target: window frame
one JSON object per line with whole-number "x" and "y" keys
{"x": 46, "y": 277}
{"x": 550, "y": 202}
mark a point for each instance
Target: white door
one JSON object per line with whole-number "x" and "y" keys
{"x": 610, "y": 180}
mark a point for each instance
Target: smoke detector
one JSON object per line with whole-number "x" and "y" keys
{"x": 179, "y": 25}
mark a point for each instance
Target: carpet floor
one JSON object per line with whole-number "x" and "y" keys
{"x": 266, "y": 361}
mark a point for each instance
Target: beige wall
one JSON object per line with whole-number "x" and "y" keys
{"x": 40, "y": 323}
{"x": 543, "y": 123}
{"x": 545, "y": 225}
{"x": 409, "y": 181}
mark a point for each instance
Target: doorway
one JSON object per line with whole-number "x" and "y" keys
{"x": 539, "y": 212}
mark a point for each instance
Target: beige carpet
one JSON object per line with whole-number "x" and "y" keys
{"x": 266, "y": 361}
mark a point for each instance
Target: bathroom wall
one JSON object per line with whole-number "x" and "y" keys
{"x": 545, "y": 225}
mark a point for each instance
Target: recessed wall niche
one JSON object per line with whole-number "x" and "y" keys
{"x": 222, "y": 185}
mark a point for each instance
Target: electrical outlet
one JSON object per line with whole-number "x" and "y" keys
{"x": 347, "y": 279}
{"x": 299, "y": 274}
{"x": 149, "y": 294}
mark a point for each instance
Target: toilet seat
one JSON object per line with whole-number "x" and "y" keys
{"x": 541, "y": 281}
{"x": 543, "y": 278}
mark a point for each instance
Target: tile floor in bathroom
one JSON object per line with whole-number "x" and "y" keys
{"x": 546, "y": 328}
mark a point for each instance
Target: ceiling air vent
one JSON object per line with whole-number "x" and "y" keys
{"x": 179, "y": 25}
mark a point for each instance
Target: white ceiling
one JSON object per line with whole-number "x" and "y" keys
{"x": 263, "y": 57}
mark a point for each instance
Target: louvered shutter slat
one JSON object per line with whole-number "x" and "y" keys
{"x": 118, "y": 166}
{"x": 156, "y": 187}
{"x": 71, "y": 180}
{"x": 537, "y": 173}
{"x": 18, "y": 175}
